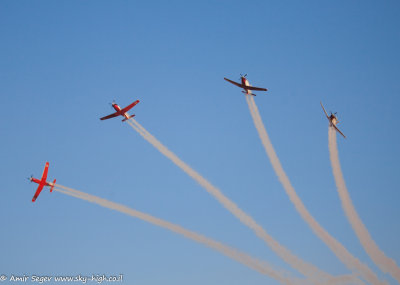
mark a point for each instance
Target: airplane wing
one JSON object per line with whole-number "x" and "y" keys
{"x": 39, "y": 189}
{"x": 326, "y": 114}
{"x": 255, "y": 88}
{"x": 127, "y": 108}
{"x": 110, "y": 116}
{"x": 44, "y": 175}
{"x": 234, "y": 83}
{"x": 336, "y": 128}
{"x": 42, "y": 182}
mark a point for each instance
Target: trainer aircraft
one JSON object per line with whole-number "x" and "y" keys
{"x": 332, "y": 120}
{"x": 42, "y": 182}
{"x": 245, "y": 85}
{"x": 121, "y": 112}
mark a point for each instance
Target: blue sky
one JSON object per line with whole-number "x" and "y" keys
{"x": 62, "y": 62}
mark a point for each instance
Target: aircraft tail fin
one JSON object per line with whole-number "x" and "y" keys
{"x": 54, "y": 182}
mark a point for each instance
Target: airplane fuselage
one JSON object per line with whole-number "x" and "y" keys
{"x": 333, "y": 119}
{"x": 245, "y": 82}
{"x": 118, "y": 109}
{"x": 33, "y": 179}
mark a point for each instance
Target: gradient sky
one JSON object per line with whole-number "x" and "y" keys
{"x": 62, "y": 62}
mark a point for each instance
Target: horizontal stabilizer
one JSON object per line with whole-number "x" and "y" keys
{"x": 52, "y": 186}
{"x": 248, "y": 93}
{"x": 128, "y": 118}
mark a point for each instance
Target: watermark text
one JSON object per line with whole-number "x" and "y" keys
{"x": 42, "y": 279}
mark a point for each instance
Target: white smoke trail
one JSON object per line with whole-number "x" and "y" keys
{"x": 337, "y": 248}
{"x": 309, "y": 270}
{"x": 385, "y": 263}
{"x": 253, "y": 263}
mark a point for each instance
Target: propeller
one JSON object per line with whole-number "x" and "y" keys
{"x": 30, "y": 178}
{"x": 111, "y": 104}
{"x": 241, "y": 75}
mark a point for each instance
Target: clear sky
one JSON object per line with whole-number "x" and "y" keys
{"x": 62, "y": 62}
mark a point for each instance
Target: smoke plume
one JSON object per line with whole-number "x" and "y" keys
{"x": 337, "y": 248}
{"x": 309, "y": 270}
{"x": 253, "y": 263}
{"x": 385, "y": 263}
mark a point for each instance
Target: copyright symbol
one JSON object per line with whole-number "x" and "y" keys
{"x": 3, "y": 278}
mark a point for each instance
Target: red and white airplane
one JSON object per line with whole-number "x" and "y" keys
{"x": 332, "y": 120}
{"x": 245, "y": 85}
{"x": 42, "y": 182}
{"x": 121, "y": 112}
